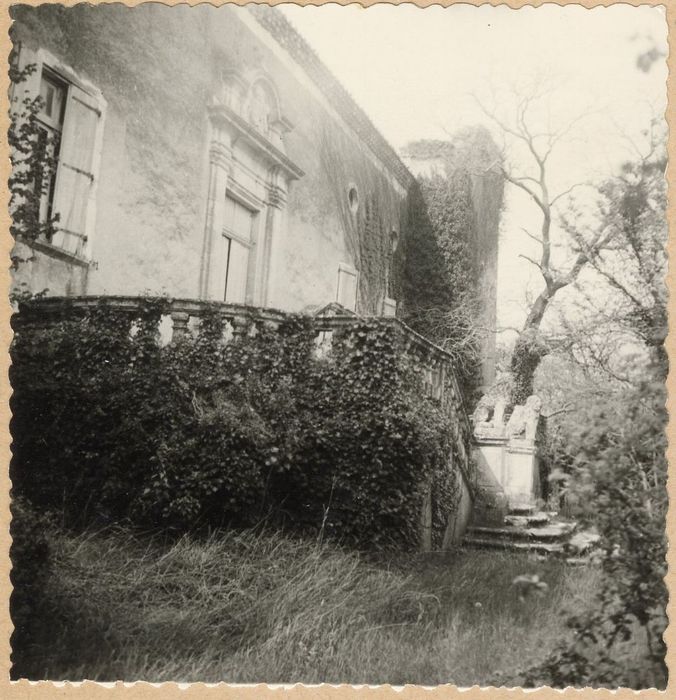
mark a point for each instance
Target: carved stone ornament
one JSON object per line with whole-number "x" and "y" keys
{"x": 524, "y": 419}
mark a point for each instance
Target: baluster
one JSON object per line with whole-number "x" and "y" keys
{"x": 240, "y": 325}
{"x": 179, "y": 325}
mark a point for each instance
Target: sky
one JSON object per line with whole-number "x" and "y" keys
{"x": 418, "y": 73}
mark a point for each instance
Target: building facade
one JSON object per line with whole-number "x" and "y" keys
{"x": 205, "y": 153}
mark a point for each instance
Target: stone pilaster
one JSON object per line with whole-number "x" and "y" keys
{"x": 220, "y": 164}
{"x": 272, "y": 263}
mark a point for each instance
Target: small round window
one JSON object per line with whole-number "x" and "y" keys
{"x": 394, "y": 241}
{"x": 353, "y": 199}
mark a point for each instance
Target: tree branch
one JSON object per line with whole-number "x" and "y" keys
{"x": 532, "y": 262}
{"x": 525, "y": 188}
{"x": 568, "y": 191}
{"x": 530, "y": 235}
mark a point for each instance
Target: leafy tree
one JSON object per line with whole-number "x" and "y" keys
{"x": 631, "y": 212}
{"x": 617, "y": 479}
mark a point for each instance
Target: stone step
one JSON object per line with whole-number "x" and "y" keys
{"x": 584, "y": 541}
{"x": 524, "y": 509}
{"x": 551, "y": 532}
{"x": 582, "y": 560}
{"x": 534, "y": 519}
{"x": 508, "y": 544}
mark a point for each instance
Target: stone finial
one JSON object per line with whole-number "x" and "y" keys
{"x": 524, "y": 419}
{"x": 487, "y": 419}
{"x": 516, "y": 424}
{"x": 481, "y": 412}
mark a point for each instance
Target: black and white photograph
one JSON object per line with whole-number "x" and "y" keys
{"x": 338, "y": 345}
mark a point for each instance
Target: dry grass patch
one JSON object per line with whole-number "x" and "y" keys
{"x": 246, "y": 607}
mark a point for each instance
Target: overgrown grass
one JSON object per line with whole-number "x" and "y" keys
{"x": 245, "y": 607}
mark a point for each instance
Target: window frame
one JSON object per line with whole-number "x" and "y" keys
{"x": 250, "y": 244}
{"x": 52, "y": 127}
{"x": 345, "y": 271}
{"x": 54, "y": 68}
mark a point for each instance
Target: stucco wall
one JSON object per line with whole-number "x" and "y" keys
{"x": 157, "y": 68}
{"x": 38, "y": 272}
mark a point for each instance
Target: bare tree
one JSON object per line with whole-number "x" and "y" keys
{"x": 591, "y": 241}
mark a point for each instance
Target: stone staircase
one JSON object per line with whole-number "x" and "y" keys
{"x": 525, "y": 528}
{"x": 506, "y": 451}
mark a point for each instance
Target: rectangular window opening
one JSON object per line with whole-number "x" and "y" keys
{"x": 238, "y": 238}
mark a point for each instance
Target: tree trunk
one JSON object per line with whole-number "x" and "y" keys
{"x": 529, "y": 350}
{"x": 526, "y": 357}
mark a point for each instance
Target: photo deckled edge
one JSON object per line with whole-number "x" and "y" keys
{"x": 25, "y": 689}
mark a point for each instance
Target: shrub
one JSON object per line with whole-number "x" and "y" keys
{"x": 618, "y": 484}
{"x": 110, "y": 425}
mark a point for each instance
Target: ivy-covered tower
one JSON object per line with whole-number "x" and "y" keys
{"x": 462, "y": 187}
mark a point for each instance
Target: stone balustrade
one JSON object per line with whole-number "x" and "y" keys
{"x": 438, "y": 375}
{"x": 182, "y": 316}
{"x": 180, "y": 312}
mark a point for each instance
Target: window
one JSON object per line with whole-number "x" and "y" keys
{"x": 389, "y": 307}
{"x": 50, "y": 125}
{"x": 394, "y": 241}
{"x": 242, "y": 258}
{"x": 70, "y": 125}
{"x": 353, "y": 199}
{"x": 74, "y": 182}
{"x": 346, "y": 294}
{"x": 237, "y": 244}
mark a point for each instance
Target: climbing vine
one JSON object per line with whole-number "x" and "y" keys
{"x": 33, "y": 158}
{"x": 368, "y": 229}
{"x": 109, "y": 425}
{"x": 32, "y": 154}
{"x": 447, "y": 268}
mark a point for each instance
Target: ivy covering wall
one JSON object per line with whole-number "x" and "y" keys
{"x": 447, "y": 267}
{"x": 369, "y": 226}
{"x": 110, "y": 425}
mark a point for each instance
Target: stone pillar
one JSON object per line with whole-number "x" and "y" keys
{"x": 520, "y": 472}
{"x": 521, "y": 459}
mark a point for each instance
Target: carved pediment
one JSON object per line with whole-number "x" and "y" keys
{"x": 253, "y": 96}
{"x": 245, "y": 105}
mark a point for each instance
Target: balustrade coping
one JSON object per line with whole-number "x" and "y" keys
{"x": 55, "y": 305}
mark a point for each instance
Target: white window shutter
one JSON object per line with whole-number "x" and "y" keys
{"x": 75, "y": 178}
{"x": 347, "y": 287}
{"x": 238, "y": 264}
{"x": 389, "y": 307}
